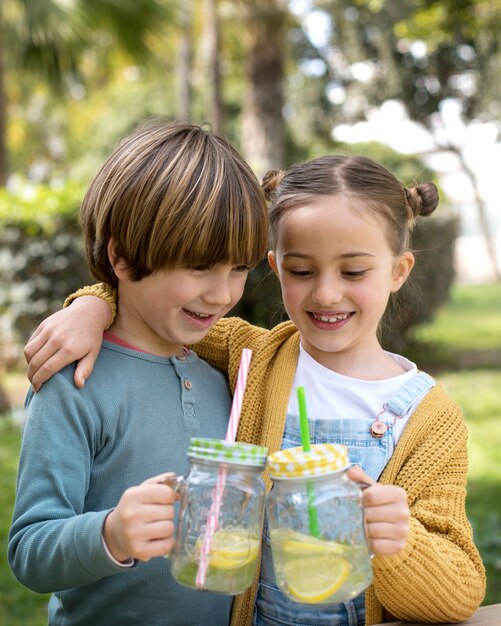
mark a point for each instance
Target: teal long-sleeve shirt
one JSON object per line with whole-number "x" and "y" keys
{"x": 81, "y": 449}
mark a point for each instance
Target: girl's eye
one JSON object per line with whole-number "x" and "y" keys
{"x": 301, "y": 273}
{"x": 241, "y": 268}
{"x": 355, "y": 274}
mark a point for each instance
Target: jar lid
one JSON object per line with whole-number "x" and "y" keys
{"x": 228, "y": 452}
{"x": 323, "y": 458}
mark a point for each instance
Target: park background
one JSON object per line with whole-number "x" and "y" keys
{"x": 414, "y": 84}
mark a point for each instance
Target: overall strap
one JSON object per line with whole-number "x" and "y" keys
{"x": 402, "y": 400}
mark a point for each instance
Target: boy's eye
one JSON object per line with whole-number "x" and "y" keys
{"x": 200, "y": 268}
{"x": 241, "y": 268}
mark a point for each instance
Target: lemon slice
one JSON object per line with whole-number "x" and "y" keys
{"x": 295, "y": 543}
{"x": 232, "y": 548}
{"x": 314, "y": 578}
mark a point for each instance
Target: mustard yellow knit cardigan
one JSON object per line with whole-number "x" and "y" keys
{"x": 439, "y": 576}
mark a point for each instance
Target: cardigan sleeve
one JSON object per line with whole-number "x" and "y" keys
{"x": 99, "y": 290}
{"x": 223, "y": 344}
{"x": 439, "y": 576}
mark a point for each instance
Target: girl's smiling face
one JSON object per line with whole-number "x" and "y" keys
{"x": 337, "y": 272}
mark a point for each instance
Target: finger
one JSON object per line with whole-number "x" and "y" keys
{"x": 49, "y": 366}
{"x": 388, "y": 530}
{"x": 151, "y": 549}
{"x": 84, "y": 369}
{"x": 33, "y": 345}
{"x": 159, "y": 530}
{"x": 386, "y": 547}
{"x": 380, "y": 495}
{"x": 150, "y": 493}
{"x": 160, "y": 478}
{"x": 357, "y": 474}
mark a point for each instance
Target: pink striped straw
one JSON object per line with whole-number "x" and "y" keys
{"x": 217, "y": 496}
{"x": 238, "y": 395}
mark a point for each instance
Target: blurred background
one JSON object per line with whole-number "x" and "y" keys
{"x": 414, "y": 84}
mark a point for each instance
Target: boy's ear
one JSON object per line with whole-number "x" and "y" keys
{"x": 272, "y": 261}
{"x": 120, "y": 267}
{"x": 402, "y": 269}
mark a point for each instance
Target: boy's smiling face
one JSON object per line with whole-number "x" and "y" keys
{"x": 337, "y": 272}
{"x": 175, "y": 307}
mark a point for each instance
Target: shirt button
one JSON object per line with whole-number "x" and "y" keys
{"x": 187, "y": 384}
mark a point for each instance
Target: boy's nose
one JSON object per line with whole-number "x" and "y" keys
{"x": 220, "y": 294}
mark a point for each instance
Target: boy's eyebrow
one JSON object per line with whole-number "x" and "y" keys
{"x": 346, "y": 255}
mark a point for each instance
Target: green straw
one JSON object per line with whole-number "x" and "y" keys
{"x": 305, "y": 440}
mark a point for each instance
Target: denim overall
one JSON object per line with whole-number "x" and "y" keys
{"x": 272, "y": 607}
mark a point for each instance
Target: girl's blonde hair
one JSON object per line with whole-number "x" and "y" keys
{"x": 354, "y": 177}
{"x": 173, "y": 194}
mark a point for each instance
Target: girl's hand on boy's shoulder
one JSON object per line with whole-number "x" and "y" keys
{"x": 386, "y": 512}
{"x": 71, "y": 334}
{"x": 141, "y": 526}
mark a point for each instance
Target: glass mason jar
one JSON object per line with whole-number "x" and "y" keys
{"x": 220, "y": 518}
{"x": 317, "y": 533}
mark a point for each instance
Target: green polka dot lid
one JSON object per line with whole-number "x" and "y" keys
{"x": 322, "y": 459}
{"x": 222, "y": 451}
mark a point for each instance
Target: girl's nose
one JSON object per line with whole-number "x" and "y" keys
{"x": 327, "y": 291}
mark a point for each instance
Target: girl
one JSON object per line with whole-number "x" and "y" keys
{"x": 340, "y": 235}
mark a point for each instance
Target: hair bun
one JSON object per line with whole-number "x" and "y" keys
{"x": 422, "y": 199}
{"x": 271, "y": 180}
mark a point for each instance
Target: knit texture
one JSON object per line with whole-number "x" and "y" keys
{"x": 101, "y": 290}
{"x": 439, "y": 576}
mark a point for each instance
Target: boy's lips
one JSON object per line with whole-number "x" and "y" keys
{"x": 200, "y": 321}
{"x": 198, "y": 316}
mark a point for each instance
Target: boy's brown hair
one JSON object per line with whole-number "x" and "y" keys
{"x": 173, "y": 195}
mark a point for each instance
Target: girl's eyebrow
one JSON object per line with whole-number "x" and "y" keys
{"x": 346, "y": 255}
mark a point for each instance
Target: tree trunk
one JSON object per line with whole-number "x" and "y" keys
{"x": 212, "y": 38}
{"x": 185, "y": 90}
{"x": 263, "y": 125}
{"x": 490, "y": 242}
{"x": 3, "y": 107}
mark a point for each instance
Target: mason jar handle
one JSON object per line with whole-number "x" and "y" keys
{"x": 173, "y": 481}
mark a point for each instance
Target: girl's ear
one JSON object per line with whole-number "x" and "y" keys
{"x": 402, "y": 269}
{"x": 272, "y": 261}
{"x": 120, "y": 267}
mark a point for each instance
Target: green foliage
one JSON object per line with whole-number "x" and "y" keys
{"x": 41, "y": 257}
{"x": 38, "y": 208}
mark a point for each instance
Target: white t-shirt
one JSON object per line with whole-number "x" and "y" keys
{"x": 330, "y": 395}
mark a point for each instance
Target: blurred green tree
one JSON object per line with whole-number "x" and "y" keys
{"x": 426, "y": 54}
{"x": 49, "y": 39}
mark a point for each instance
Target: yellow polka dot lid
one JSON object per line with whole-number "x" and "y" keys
{"x": 322, "y": 459}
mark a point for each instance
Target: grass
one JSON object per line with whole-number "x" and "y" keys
{"x": 466, "y": 333}
{"x": 18, "y": 606}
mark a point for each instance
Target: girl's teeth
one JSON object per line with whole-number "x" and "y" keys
{"x": 330, "y": 318}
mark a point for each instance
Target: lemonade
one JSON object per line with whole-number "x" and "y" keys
{"x": 232, "y": 562}
{"x": 316, "y": 571}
